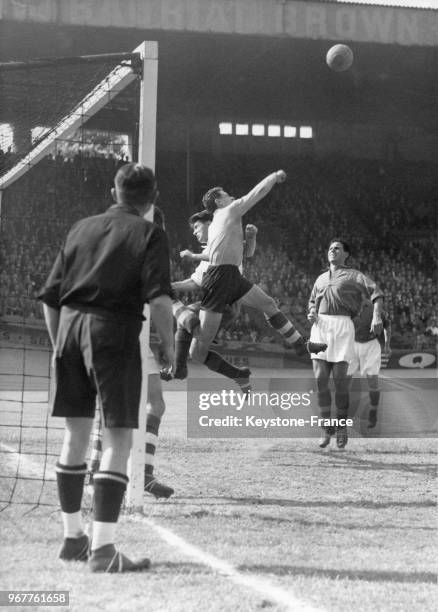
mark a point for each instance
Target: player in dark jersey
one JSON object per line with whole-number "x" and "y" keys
{"x": 155, "y": 411}
{"x": 368, "y": 349}
{"x": 336, "y": 298}
{"x": 108, "y": 267}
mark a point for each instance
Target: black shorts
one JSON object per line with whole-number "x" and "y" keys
{"x": 98, "y": 356}
{"x": 222, "y": 286}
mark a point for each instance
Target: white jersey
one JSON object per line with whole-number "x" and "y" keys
{"x": 202, "y": 268}
{"x": 225, "y": 238}
{"x": 199, "y": 272}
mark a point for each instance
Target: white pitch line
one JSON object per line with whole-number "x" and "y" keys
{"x": 253, "y": 582}
{"x": 401, "y": 384}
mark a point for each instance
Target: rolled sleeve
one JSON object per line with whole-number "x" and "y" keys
{"x": 374, "y": 292}
{"x": 312, "y": 299}
{"x": 51, "y": 291}
{"x": 156, "y": 267}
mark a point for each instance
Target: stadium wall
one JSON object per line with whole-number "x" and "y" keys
{"x": 33, "y": 335}
{"x": 287, "y": 18}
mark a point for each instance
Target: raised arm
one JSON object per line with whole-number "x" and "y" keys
{"x": 240, "y": 206}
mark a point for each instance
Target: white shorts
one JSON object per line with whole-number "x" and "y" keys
{"x": 152, "y": 364}
{"x": 367, "y": 358}
{"x": 337, "y": 331}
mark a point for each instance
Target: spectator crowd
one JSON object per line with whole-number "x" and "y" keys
{"x": 385, "y": 211}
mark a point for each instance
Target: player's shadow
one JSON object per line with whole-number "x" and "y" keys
{"x": 341, "y": 503}
{"x": 354, "y": 463}
{"x": 336, "y": 574}
{"x": 294, "y": 503}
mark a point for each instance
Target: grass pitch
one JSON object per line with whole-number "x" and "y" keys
{"x": 276, "y": 524}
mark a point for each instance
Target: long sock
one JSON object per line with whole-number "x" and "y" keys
{"x": 183, "y": 340}
{"x": 324, "y": 404}
{"x": 217, "y": 363}
{"x": 374, "y": 397}
{"x": 342, "y": 404}
{"x": 152, "y": 427}
{"x": 283, "y": 326}
{"x": 96, "y": 443}
{"x": 109, "y": 489}
{"x": 70, "y": 480}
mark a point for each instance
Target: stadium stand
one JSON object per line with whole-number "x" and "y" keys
{"x": 385, "y": 214}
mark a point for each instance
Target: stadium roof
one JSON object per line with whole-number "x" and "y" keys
{"x": 422, "y": 4}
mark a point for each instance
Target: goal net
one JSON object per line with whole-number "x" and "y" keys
{"x": 66, "y": 125}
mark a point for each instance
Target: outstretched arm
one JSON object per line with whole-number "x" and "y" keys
{"x": 242, "y": 205}
{"x": 184, "y": 286}
{"x": 197, "y": 257}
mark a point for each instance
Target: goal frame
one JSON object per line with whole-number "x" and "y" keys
{"x": 143, "y": 62}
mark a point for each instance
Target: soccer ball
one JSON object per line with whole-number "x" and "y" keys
{"x": 339, "y": 58}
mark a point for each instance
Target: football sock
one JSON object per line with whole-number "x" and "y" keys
{"x": 284, "y": 327}
{"x": 183, "y": 340}
{"x": 324, "y": 403}
{"x": 96, "y": 443}
{"x": 70, "y": 480}
{"x": 109, "y": 489}
{"x": 342, "y": 403}
{"x": 152, "y": 426}
{"x": 374, "y": 397}
{"x": 217, "y": 363}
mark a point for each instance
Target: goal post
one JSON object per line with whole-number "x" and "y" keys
{"x": 76, "y": 120}
{"x": 146, "y": 155}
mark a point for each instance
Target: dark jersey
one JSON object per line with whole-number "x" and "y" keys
{"x": 341, "y": 292}
{"x": 115, "y": 261}
{"x": 362, "y": 325}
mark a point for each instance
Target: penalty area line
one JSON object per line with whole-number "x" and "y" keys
{"x": 255, "y": 583}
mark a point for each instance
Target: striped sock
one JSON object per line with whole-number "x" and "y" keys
{"x": 152, "y": 427}
{"x": 96, "y": 443}
{"x": 109, "y": 489}
{"x": 283, "y": 326}
{"x": 70, "y": 480}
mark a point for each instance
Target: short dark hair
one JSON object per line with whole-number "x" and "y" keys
{"x": 203, "y": 216}
{"x": 209, "y": 199}
{"x": 344, "y": 243}
{"x": 136, "y": 182}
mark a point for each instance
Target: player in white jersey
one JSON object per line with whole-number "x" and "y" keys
{"x": 187, "y": 317}
{"x": 223, "y": 283}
